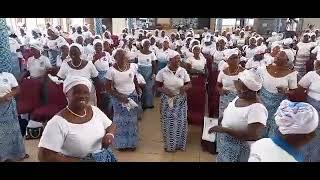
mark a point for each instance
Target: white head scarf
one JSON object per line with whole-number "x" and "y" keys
{"x": 251, "y": 79}
{"x": 289, "y": 54}
{"x": 54, "y": 30}
{"x": 192, "y": 41}
{"x": 274, "y": 34}
{"x": 108, "y": 40}
{"x": 173, "y": 54}
{"x": 37, "y": 45}
{"x": 72, "y": 81}
{"x": 63, "y": 43}
{"x": 195, "y": 47}
{"x": 296, "y": 118}
{"x": 252, "y": 38}
{"x": 78, "y": 46}
{"x": 229, "y": 52}
{"x": 260, "y": 50}
{"x": 287, "y": 41}
{"x": 166, "y": 38}
{"x": 36, "y": 30}
{"x": 97, "y": 41}
{"x": 207, "y": 38}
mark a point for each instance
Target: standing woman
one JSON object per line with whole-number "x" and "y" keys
{"x": 162, "y": 55}
{"x": 278, "y": 81}
{"x": 79, "y": 132}
{"x": 226, "y": 78}
{"x": 311, "y": 83}
{"x": 122, "y": 85}
{"x": 196, "y": 67}
{"x": 80, "y": 67}
{"x": 303, "y": 55}
{"x": 53, "y": 40}
{"x": 173, "y": 81}
{"x": 243, "y": 120}
{"x": 11, "y": 141}
{"x": 147, "y": 68}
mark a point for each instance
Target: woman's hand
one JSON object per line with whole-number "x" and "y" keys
{"x": 223, "y": 92}
{"x": 6, "y": 98}
{"x": 168, "y": 92}
{"x": 183, "y": 90}
{"x": 107, "y": 140}
{"x": 282, "y": 90}
{"x": 123, "y": 98}
{"x": 218, "y": 129}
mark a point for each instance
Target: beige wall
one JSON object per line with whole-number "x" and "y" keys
{"x": 163, "y": 20}
{"x": 118, "y": 24}
{"x": 315, "y": 21}
{"x": 212, "y": 24}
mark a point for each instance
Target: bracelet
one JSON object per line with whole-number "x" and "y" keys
{"x": 110, "y": 135}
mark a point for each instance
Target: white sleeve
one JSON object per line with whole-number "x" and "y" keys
{"x": 219, "y": 80}
{"x": 109, "y": 74}
{"x": 257, "y": 114}
{"x": 54, "y": 135}
{"x": 102, "y": 117}
{"x": 188, "y": 60}
{"x": 93, "y": 70}
{"x": 305, "y": 81}
{"x": 315, "y": 50}
{"x": 248, "y": 64}
{"x": 63, "y": 71}
{"x": 293, "y": 81}
{"x": 153, "y": 57}
{"x": 13, "y": 81}
{"x": 254, "y": 155}
{"x": 140, "y": 79}
{"x": 186, "y": 76}
{"x": 159, "y": 76}
{"x": 48, "y": 63}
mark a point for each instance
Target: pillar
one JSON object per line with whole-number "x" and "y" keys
{"x": 5, "y": 54}
{"x": 118, "y": 24}
{"x": 219, "y": 24}
{"x": 212, "y": 24}
{"x": 98, "y": 26}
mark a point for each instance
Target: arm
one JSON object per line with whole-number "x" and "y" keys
{"x": 12, "y": 94}
{"x": 46, "y": 155}
{"x": 115, "y": 93}
{"x": 154, "y": 67}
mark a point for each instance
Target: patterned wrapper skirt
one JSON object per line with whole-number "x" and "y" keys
{"x": 174, "y": 124}
{"x": 126, "y": 122}
{"x": 272, "y": 102}
{"x": 300, "y": 65}
{"x": 148, "y": 91}
{"x": 231, "y": 149}
{"x": 11, "y": 141}
{"x": 53, "y": 56}
{"x": 197, "y": 99}
{"x": 106, "y": 155}
{"x": 311, "y": 151}
{"x": 225, "y": 100}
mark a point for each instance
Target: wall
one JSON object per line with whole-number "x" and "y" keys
{"x": 118, "y": 24}
{"x": 163, "y": 21}
{"x": 307, "y": 21}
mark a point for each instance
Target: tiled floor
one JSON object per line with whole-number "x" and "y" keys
{"x": 150, "y": 148}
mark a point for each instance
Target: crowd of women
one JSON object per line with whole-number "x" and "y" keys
{"x": 265, "y": 92}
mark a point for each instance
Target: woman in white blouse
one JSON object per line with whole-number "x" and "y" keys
{"x": 122, "y": 85}
{"x": 279, "y": 81}
{"x": 243, "y": 120}
{"x": 162, "y": 55}
{"x": 148, "y": 69}
{"x": 11, "y": 141}
{"x": 173, "y": 81}
{"x": 64, "y": 55}
{"x": 79, "y": 132}
{"x": 311, "y": 83}
{"x": 80, "y": 67}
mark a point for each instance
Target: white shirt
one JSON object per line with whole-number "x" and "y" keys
{"x": 218, "y": 56}
{"x": 53, "y": 44}
{"x": 304, "y": 48}
{"x": 222, "y": 65}
{"x": 311, "y": 81}
{"x": 86, "y": 34}
{"x": 89, "y": 71}
{"x": 60, "y": 61}
{"x": 154, "y": 49}
{"x": 241, "y": 42}
{"x": 265, "y": 150}
{"x": 7, "y": 82}
{"x": 209, "y": 49}
{"x": 250, "y": 52}
{"x": 132, "y": 53}
{"x": 173, "y": 81}
{"x": 75, "y": 140}
{"x": 256, "y": 64}
{"x": 316, "y": 51}
{"x": 162, "y": 55}
{"x": 88, "y": 50}
{"x": 146, "y": 59}
{"x": 227, "y": 81}
{"x": 240, "y": 117}
{"x": 14, "y": 45}
{"x": 197, "y": 64}
{"x": 123, "y": 82}
{"x": 140, "y": 79}
{"x": 38, "y": 67}
{"x": 271, "y": 83}
{"x": 102, "y": 64}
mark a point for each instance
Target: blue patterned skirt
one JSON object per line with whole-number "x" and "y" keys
{"x": 174, "y": 123}
{"x": 106, "y": 155}
{"x": 311, "y": 151}
{"x": 225, "y": 100}
{"x": 232, "y": 149}
{"x": 53, "y": 56}
{"x": 11, "y": 141}
{"x": 126, "y": 135}
{"x": 272, "y": 102}
{"x": 148, "y": 91}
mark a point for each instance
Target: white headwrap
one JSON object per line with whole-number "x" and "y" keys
{"x": 251, "y": 79}
{"x": 222, "y": 38}
{"x": 305, "y": 34}
{"x": 195, "y": 47}
{"x": 287, "y": 41}
{"x": 207, "y": 38}
{"x": 78, "y": 46}
{"x": 192, "y": 41}
{"x": 54, "y": 30}
{"x": 289, "y": 54}
{"x": 63, "y": 43}
{"x": 260, "y": 50}
{"x": 275, "y": 44}
{"x": 166, "y": 38}
{"x": 72, "y": 81}
{"x": 97, "y": 41}
{"x": 312, "y": 34}
{"x": 260, "y": 37}
{"x": 37, "y": 45}
{"x": 229, "y": 52}
{"x": 36, "y": 30}
{"x": 274, "y": 34}
{"x": 173, "y": 54}
{"x": 252, "y": 38}
{"x": 108, "y": 40}
{"x": 296, "y": 118}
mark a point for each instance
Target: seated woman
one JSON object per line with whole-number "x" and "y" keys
{"x": 122, "y": 86}
{"x": 243, "y": 120}
{"x": 196, "y": 66}
{"x": 297, "y": 123}
{"x": 79, "y": 132}
{"x": 173, "y": 81}
{"x": 311, "y": 83}
{"x": 64, "y": 55}
{"x": 80, "y": 67}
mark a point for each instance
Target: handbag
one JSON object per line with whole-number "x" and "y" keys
{"x": 209, "y": 123}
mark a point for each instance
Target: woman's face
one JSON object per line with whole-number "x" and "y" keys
{"x": 74, "y": 52}
{"x": 233, "y": 60}
{"x": 163, "y": 33}
{"x": 196, "y": 51}
{"x": 259, "y": 42}
{"x": 242, "y": 34}
{"x": 106, "y": 35}
{"x": 106, "y": 45}
{"x": 252, "y": 41}
{"x": 98, "y": 47}
{"x": 79, "y": 40}
{"x": 316, "y": 65}
{"x": 79, "y": 96}
{"x": 152, "y": 41}
{"x": 50, "y": 32}
{"x": 306, "y": 38}
{"x": 241, "y": 88}
{"x": 165, "y": 45}
{"x": 121, "y": 57}
{"x": 281, "y": 59}
{"x": 222, "y": 43}
{"x": 64, "y": 50}
{"x": 208, "y": 43}
{"x": 276, "y": 50}
{"x": 175, "y": 62}
{"x": 146, "y": 45}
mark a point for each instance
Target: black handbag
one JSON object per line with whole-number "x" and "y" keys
{"x": 34, "y": 133}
